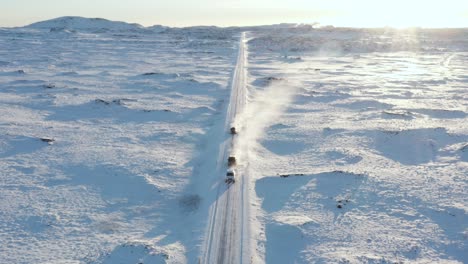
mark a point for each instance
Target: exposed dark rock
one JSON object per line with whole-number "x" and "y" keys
{"x": 464, "y": 148}
{"x": 48, "y": 140}
{"x": 274, "y": 79}
{"x": 149, "y": 110}
{"x": 287, "y": 175}
{"x": 190, "y": 203}
{"x": 100, "y": 101}
{"x": 150, "y": 73}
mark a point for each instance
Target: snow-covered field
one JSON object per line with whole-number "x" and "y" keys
{"x": 371, "y": 140}
{"x": 357, "y": 142}
{"x": 130, "y": 114}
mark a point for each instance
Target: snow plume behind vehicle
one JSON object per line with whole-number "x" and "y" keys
{"x": 264, "y": 106}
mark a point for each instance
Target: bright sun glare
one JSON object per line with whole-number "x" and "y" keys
{"x": 400, "y": 13}
{"x": 347, "y": 13}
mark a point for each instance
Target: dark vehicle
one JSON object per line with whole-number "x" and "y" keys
{"x": 231, "y": 161}
{"x": 230, "y": 176}
{"x": 233, "y": 131}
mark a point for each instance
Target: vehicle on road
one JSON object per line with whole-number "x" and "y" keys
{"x": 232, "y": 161}
{"x": 233, "y": 131}
{"x": 230, "y": 176}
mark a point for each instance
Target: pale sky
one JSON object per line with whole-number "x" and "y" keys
{"x": 357, "y": 13}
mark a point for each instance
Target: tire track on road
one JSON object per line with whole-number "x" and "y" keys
{"x": 224, "y": 241}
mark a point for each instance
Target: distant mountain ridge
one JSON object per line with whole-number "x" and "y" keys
{"x": 82, "y": 23}
{"x": 77, "y": 23}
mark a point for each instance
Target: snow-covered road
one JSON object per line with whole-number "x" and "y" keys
{"x": 225, "y": 234}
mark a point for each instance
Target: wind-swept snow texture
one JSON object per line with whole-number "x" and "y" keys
{"x": 352, "y": 143}
{"x": 102, "y": 137}
{"x": 364, "y": 160}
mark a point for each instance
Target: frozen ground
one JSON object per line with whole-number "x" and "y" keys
{"x": 130, "y": 114}
{"x": 370, "y": 141}
{"x": 356, "y": 140}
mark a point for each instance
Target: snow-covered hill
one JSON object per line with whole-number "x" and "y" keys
{"x": 73, "y": 23}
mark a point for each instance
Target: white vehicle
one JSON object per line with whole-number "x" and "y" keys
{"x": 230, "y": 176}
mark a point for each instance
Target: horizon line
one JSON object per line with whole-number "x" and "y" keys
{"x": 316, "y": 24}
